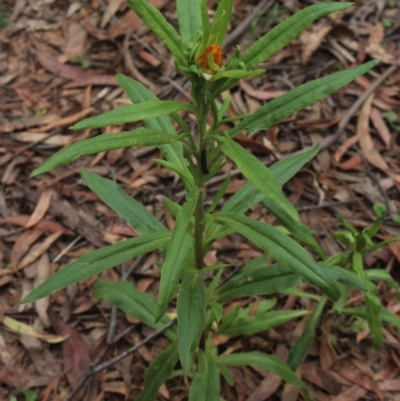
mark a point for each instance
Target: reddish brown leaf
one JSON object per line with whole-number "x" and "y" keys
{"x": 76, "y": 357}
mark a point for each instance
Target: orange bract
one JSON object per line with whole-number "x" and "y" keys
{"x": 218, "y": 56}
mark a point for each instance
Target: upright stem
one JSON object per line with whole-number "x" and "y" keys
{"x": 199, "y": 209}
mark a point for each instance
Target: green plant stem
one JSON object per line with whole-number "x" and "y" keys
{"x": 202, "y": 117}
{"x": 198, "y": 231}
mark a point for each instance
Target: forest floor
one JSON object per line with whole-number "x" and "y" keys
{"x": 57, "y": 65}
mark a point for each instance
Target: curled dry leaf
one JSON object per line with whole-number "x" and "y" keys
{"x": 37, "y": 250}
{"x": 22, "y": 328}
{"x": 41, "y": 208}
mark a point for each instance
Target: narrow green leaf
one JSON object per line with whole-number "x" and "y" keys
{"x": 270, "y": 363}
{"x": 123, "y": 204}
{"x": 205, "y": 386}
{"x": 191, "y": 310}
{"x": 189, "y": 18}
{"x": 156, "y": 22}
{"x": 381, "y": 275}
{"x": 301, "y": 347}
{"x": 172, "y": 206}
{"x": 258, "y": 279}
{"x": 286, "y": 31}
{"x": 221, "y": 21}
{"x": 178, "y": 249}
{"x": 159, "y": 372}
{"x": 283, "y": 249}
{"x": 133, "y": 112}
{"x": 345, "y": 277}
{"x": 387, "y": 317}
{"x": 104, "y": 143}
{"x": 220, "y": 194}
{"x": 126, "y": 297}
{"x": 374, "y": 307}
{"x": 138, "y": 93}
{"x": 296, "y": 228}
{"x": 237, "y": 74}
{"x": 248, "y": 325}
{"x": 98, "y": 261}
{"x": 258, "y": 174}
{"x": 284, "y": 106}
{"x": 225, "y": 373}
{"x": 249, "y": 195}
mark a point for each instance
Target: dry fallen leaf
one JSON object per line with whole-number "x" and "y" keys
{"x": 22, "y": 328}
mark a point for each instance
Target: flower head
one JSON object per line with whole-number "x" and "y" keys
{"x": 217, "y": 55}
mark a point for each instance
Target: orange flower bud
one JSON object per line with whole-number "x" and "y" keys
{"x": 217, "y": 54}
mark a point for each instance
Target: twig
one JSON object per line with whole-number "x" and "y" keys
{"x": 98, "y": 368}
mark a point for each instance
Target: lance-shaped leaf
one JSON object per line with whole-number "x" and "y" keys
{"x": 129, "y": 299}
{"x": 248, "y": 325}
{"x": 159, "y": 372}
{"x": 156, "y": 22}
{"x": 284, "y": 106}
{"x": 270, "y": 363}
{"x": 281, "y": 171}
{"x": 133, "y": 112}
{"x": 205, "y": 386}
{"x": 300, "y": 349}
{"x": 221, "y": 21}
{"x": 281, "y": 35}
{"x": 249, "y": 195}
{"x": 283, "y": 249}
{"x": 237, "y": 74}
{"x": 258, "y": 174}
{"x": 104, "y": 143}
{"x": 255, "y": 278}
{"x": 190, "y": 19}
{"x": 138, "y": 93}
{"x": 123, "y": 204}
{"x": 297, "y": 229}
{"x": 191, "y": 309}
{"x": 98, "y": 261}
{"x": 180, "y": 246}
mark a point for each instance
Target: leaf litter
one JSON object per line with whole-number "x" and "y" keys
{"x": 58, "y": 66}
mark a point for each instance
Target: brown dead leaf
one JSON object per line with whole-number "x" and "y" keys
{"x": 48, "y": 139}
{"x": 69, "y": 120}
{"x": 43, "y": 225}
{"x": 80, "y": 76}
{"x": 353, "y": 162}
{"x": 45, "y": 362}
{"x": 260, "y": 94}
{"x": 268, "y": 386}
{"x": 76, "y": 357}
{"x": 41, "y": 208}
{"x": 362, "y": 126}
{"x": 42, "y": 274}
{"x": 312, "y": 41}
{"x": 37, "y": 250}
{"x": 76, "y": 40}
{"x": 130, "y": 21}
{"x": 11, "y": 172}
{"x": 22, "y": 245}
{"x": 109, "y": 12}
{"x": 354, "y": 393}
{"x": 381, "y": 127}
{"x": 29, "y": 122}
{"x": 350, "y": 374}
{"x": 374, "y": 47}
